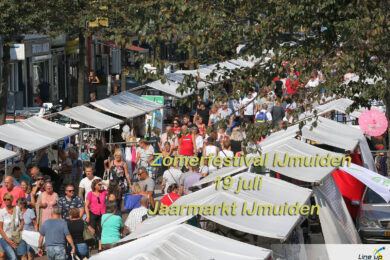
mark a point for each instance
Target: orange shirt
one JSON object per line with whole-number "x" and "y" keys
{"x": 16, "y": 192}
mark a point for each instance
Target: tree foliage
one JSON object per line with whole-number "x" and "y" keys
{"x": 16, "y": 18}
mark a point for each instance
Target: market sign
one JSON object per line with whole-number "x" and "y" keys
{"x": 17, "y": 52}
{"x": 376, "y": 182}
{"x": 155, "y": 118}
{"x": 71, "y": 47}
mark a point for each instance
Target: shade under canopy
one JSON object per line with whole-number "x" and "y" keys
{"x": 126, "y": 105}
{"x": 91, "y": 117}
{"x": 184, "y": 242}
{"x": 34, "y": 133}
{"x": 6, "y": 154}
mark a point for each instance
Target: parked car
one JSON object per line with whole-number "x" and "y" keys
{"x": 373, "y": 220}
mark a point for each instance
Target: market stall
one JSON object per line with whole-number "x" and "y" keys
{"x": 34, "y": 133}
{"x": 184, "y": 242}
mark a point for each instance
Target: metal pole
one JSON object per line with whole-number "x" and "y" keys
{"x": 110, "y": 136}
{"x": 80, "y": 142}
{"x": 6, "y": 166}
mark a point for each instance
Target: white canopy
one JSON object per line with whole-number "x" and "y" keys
{"x": 293, "y": 148}
{"x": 126, "y": 105}
{"x": 220, "y": 70}
{"x": 273, "y": 192}
{"x": 184, "y": 242}
{"x": 91, "y": 117}
{"x": 327, "y": 132}
{"x": 46, "y": 128}
{"x": 6, "y": 154}
{"x": 223, "y": 172}
{"x": 340, "y": 105}
{"x": 169, "y": 87}
{"x": 34, "y": 133}
{"x": 245, "y": 63}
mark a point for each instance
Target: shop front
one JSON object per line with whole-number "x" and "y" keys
{"x": 38, "y": 67}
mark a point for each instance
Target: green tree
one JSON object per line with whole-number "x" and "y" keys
{"x": 334, "y": 37}
{"x": 16, "y": 18}
{"x": 73, "y": 18}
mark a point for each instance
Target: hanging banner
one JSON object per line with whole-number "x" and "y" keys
{"x": 155, "y": 118}
{"x": 376, "y": 182}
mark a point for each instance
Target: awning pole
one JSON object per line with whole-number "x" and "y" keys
{"x": 6, "y": 166}
{"x": 110, "y": 135}
{"x": 80, "y": 142}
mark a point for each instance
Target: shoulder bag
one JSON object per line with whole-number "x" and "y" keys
{"x": 107, "y": 219}
{"x": 88, "y": 236}
{"x": 15, "y": 235}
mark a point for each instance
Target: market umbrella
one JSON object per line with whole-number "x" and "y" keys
{"x": 373, "y": 122}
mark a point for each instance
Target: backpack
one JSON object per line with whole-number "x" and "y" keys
{"x": 261, "y": 118}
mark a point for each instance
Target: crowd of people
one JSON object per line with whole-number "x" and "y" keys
{"x": 77, "y": 206}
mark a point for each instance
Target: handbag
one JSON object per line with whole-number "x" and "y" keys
{"x": 15, "y": 235}
{"x": 88, "y": 236}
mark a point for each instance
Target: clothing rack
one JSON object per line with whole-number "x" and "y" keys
{"x": 148, "y": 141}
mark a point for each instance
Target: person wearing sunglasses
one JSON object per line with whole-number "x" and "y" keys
{"x": 11, "y": 219}
{"x": 70, "y": 201}
{"x": 176, "y": 127}
{"x": 95, "y": 206}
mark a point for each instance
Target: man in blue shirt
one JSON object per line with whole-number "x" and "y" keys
{"x": 55, "y": 232}
{"x": 70, "y": 201}
{"x": 19, "y": 175}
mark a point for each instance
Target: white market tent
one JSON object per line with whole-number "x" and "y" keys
{"x": 173, "y": 83}
{"x": 47, "y": 128}
{"x": 223, "y": 172}
{"x": 295, "y": 148}
{"x": 91, "y": 117}
{"x": 6, "y": 154}
{"x": 220, "y": 70}
{"x": 272, "y": 192}
{"x": 340, "y": 105}
{"x": 184, "y": 242}
{"x": 126, "y": 105}
{"x": 169, "y": 87}
{"x": 34, "y": 133}
{"x": 327, "y": 131}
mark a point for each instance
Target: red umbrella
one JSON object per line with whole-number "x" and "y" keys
{"x": 373, "y": 122}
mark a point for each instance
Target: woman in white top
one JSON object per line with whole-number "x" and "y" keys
{"x": 210, "y": 149}
{"x": 11, "y": 219}
{"x": 214, "y": 115}
{"x": 226, "y": 152}
{"x": 198, "y": 141}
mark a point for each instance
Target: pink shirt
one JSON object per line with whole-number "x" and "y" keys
{"x": 16, "y": 192}
{"x": 95, "y": 207}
